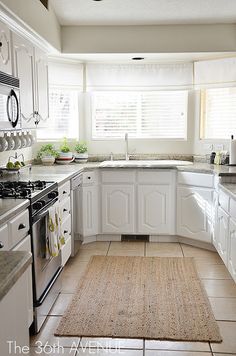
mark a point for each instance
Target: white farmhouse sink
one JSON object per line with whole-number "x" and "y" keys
{"x": 147, "y": 163}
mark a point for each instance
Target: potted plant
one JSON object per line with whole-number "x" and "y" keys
{"x": 81, "y": 152}
{"x": 65, "y": 154}
{"x": 47, "y": 154}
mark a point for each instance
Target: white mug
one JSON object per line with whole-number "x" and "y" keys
{"x": 17, "y": 141}
{"x": 3, "y": 144}
{"x": 23, "y": 141}
{"x": 11, "y": 143}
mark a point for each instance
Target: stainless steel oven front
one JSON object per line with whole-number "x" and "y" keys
{"x": 46, "y": 270}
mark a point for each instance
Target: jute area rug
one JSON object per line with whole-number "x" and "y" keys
{"x": 140, "y": 297}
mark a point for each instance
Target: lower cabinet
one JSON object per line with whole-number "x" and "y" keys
{"x": 232, "y": 249}
{"x": 194, "y": 213}
{"x": 14, "y": 317}
{"x": 222, "y": 231}
{"x": 154, "y": 209}
{"x": 89, "y": 209}
{"x": 118, "y": 208}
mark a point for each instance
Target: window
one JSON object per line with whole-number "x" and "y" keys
{"x": 63, "y": 115}
{"x": 147, "y": 114}
{"x": 218, "y": 113}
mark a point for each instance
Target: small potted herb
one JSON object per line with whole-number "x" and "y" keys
{"x": 65, "y": 154}
{"x": 47, "y": 154}
{"x": 81, "y": 155}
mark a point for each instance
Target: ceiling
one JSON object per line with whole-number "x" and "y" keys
{"x": 144, "y": 12}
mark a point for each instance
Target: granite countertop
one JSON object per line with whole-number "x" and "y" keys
{"x": 10, "y": 207}
{"x": 229, "y": 188}
{"x": 12, "y": 265}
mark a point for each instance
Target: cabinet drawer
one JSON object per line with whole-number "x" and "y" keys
{"x": 118, "y": 176}
{"x": 4, "y": 238}
{"x": 66, "y": 252}
{"x": 196, "y": 179}
{"x": 24, "y": 245}
{"x": 65, "y": 208}
{"x": 18, "y": 228}
{"x": 153, "y": 177}
{"x": 66, "y": 227}
{"x": 89, "y": 178}
{"x": 224, "y": 201}
{"x": 64, "y": 191}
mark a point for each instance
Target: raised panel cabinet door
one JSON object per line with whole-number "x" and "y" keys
{"x": 232, "y": 249}
{"x": 23, "y": 53}
{"x": 5, "y": 49}
{"x": 90, "y": 211}
{"x": 41, "y": 83}
{"x": 153, "y": 209}
{"x": 194, "y": 213}
{"x": 118, "y": 209}
{"x": 222, "y": 234}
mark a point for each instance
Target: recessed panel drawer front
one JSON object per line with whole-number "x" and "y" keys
{"x": 4, "y": 238}
{"x": 118, "y": 176}
{"x": 66, "y": 227}
{"x": 89, "y": 178}
{"x": 232, "y": 209}
{"x": 64, "y": 191}
{"x": 196, "y": 179}
{"x": 18, "y": 228}
{"x": 224, "y": 201}
{"x": 65, "y": 208}
{"x": 154, "y": 177}
{"x": 66, "y": 251}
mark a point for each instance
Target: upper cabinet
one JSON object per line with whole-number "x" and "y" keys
{"x": 23, "y": 53}
{"x": 5, "y": 49}
{"x": 41, "y": 86}
{"x": 30, "y": 66}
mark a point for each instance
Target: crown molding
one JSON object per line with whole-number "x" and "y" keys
{"x": 17, "y": 25}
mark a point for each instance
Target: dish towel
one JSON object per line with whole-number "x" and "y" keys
{"x": 55, "y": 237}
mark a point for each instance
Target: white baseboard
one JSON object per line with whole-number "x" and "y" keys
{"x": 109, "y": 238}
{"x": 163, "y": 238}
{"x": 200, "y": 244}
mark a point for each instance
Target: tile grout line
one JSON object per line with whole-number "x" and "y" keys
{"x": 108, "y": 248}
{"x": 181, "y": 249}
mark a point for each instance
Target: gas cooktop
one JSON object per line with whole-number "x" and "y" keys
{"x": 23, "y": 189}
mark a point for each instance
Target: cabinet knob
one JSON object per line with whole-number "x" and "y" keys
{"x": 0, "y": 44}
{"x": 1, "y": 244}
{"x": 21, "y": 226}
{"x": 64, "y": 210}
{"x": 65, "y": 232}
{"x": 64, "y": 192}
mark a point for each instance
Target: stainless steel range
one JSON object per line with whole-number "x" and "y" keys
{"x": 46, "y": 270}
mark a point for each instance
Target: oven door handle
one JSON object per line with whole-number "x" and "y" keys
{"x": 41, "y": 215}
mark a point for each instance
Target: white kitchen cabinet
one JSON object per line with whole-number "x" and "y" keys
{"x": 222, "y": 231}
{"x": 118, "y": 209}
{"x": 41, "y": 87}
{"x": 14, "y": 316}
{"x": 23, "y": 53}
{"x": 25, "y": 245}
{"x": 154, "y": 209}
{"x": 232, "y": 249}
{"x": 194, "y": 213}
{"x": 4, "y": 238}
{"x": 5, "y": 49}
{"x": 89, "y": 210}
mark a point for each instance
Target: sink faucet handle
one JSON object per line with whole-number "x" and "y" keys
{"x": 112, "y": 157}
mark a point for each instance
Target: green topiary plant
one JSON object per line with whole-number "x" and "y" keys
{"x": 47, "y": 150}
{"x": 64, "y": 147}
{"x": 81, "y": 147}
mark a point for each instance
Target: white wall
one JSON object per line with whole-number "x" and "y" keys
{"x": 149, "y": 39}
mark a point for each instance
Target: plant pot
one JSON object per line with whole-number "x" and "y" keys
{"x": 48, "y": 160}
{"x": 65, "y": 155}
{"x": 81, "y": 157}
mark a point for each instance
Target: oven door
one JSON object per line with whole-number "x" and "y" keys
{"x": 44, "y": 267}
{"x": 9, "y": 108}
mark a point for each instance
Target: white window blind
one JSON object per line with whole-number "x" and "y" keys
{"x": 218, "y": 113}
{"x": 148, "y": 114}
{"x": 63, "y": 114}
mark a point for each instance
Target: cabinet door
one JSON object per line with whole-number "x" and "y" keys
{"x": 222, "y": 234}
{"x": 153, "y": 209}
{"x": 118, "y": 209}
{"x": 194, "y": 213}
{"x": 5, "y": 49}
{"x": 232, "y": 249}
{"x": 24, "y": 69}
{"x": 90, "y": 211}
{"x": 25, "y": 245}
{"x": 41, "y": 83}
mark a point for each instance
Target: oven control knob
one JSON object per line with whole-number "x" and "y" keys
{"x": 39, "y": 205}
{"x": 52, "y": 195}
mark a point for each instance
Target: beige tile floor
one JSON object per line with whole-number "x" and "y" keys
{"x": 219, "y": 286}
